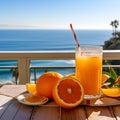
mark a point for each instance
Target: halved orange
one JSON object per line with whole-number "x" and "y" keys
{"x": 31, "y": 88}
{"x": 105, "y": 77}
{"x": 68, "y": 92}
{"x": 111, "y": 92}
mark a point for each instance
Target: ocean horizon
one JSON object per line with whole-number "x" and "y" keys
{"x": 46, "y": 40}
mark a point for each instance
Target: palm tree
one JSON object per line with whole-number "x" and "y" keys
{"x": 114, "y": 24}
{"x": 15, "y": 74}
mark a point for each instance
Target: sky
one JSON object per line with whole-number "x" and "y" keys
{"x": 58, "y": 14}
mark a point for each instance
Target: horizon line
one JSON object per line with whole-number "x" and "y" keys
{"x": 19, "y": 27}
{"x": 54, "y": 29}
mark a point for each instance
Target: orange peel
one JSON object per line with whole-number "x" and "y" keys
{"x": 111, "y": 92}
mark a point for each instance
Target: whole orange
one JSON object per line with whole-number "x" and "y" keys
{"x": 46, "y": 83}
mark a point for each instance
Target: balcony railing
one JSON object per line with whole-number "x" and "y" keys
{"x": 24, "y": 58}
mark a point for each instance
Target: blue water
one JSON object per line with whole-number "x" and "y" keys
{"x": 34, "y": 40}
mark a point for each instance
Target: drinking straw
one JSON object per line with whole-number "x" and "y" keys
{"x": 75, "y": 37}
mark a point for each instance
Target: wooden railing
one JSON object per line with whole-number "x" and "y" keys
{"x": 24, "y": 58}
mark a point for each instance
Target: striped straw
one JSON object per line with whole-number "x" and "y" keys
{"x": 75, "y": 37}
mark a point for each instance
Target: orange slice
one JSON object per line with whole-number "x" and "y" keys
{"x": 111, "y": 92}
{"x": 68, "y": 92}
{"x": 35, "y": 99}
{"x": 118, "y": 80}
{"x": 31, "y": 88}
{"x": 105, "y": 77}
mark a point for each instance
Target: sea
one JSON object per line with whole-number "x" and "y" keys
{"x": 46, "y": 40}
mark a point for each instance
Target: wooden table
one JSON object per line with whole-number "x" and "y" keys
{"x": 11, "y": 109}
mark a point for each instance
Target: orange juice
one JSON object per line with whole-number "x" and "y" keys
{"x": 89, "y": 72}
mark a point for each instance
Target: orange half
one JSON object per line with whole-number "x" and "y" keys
{"x": 68, "y": 92}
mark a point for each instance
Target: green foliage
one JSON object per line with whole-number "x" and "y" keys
{"x": 113, "y": 73}
{"x": 111, "y": 82}
{"x": 117, "y": 85}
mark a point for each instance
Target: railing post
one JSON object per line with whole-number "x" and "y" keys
{"x": 24, "y": 70}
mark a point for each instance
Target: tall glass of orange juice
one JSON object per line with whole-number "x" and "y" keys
{"x": 89, "y": 69}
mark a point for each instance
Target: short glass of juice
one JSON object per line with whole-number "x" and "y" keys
{"x": 89, "y": 69}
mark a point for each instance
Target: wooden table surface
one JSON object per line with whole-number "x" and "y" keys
{"x": 11, "y": 109}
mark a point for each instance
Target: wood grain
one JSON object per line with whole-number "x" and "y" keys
{"x": 11, "y": 109}
{"x": 12, "y": 90}
{"x": 73, "y": 114}
{"x": 46, "y": 113}
{"x": 99, "y": 113}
